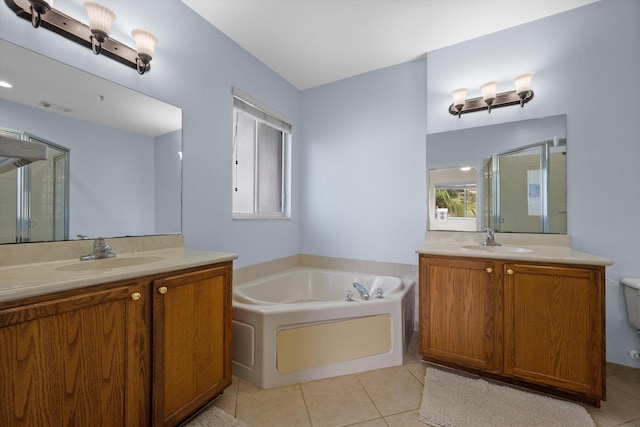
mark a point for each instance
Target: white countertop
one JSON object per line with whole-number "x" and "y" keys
{"x": 514, "y": 247}
{"x": 38, "y": 278}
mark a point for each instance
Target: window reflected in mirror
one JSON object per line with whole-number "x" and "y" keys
{"x": 454, "y": 198}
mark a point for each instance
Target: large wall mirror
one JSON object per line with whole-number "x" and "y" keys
{"x": 122, "y": 170}
{"x": 510, "y": 177}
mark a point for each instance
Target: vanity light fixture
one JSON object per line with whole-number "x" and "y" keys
{"x": 100, "y": 19}
{"x": 490, "y": 99}
{"x": 95, "y": 36}
{"x": 145, "y": 44}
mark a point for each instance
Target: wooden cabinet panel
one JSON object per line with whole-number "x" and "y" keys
{"x": 76, "y": 360}
{"x": 460, "y": 312}
{"x": 536, "y": 325}
{"x": 554, "y": 326}
{"x": 191, "y": 343}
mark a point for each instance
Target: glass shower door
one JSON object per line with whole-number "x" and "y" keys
{"x": 34, "y": 199}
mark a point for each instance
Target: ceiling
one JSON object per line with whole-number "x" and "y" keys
{"x": 313, "y": 42}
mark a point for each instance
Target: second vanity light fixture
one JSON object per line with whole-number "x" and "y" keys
{"x": 94, "y": 36}
{"x": 490, "y": 99}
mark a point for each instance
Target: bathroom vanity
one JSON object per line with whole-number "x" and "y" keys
{"x": 139, "y": 343}
{"x": 532, "y": 315}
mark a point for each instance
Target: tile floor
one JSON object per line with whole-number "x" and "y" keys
{"x": 389, "y": 397}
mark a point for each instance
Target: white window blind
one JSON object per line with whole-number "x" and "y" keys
{"x": 252, "y": 106}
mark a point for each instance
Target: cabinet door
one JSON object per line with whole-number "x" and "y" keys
{"x": 554, "y": 326}
{"x": 191, "y": 342}
{"x": 460, "y": 316}
{"x": 70, "y": 361}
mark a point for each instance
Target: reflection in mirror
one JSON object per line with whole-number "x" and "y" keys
{"x": 124, "y": 149}
{"x": 527, "y": 189}
{"x": 509, "y": 177}
{"x": 454, "y": 200}
{"x": 36, "y": 189}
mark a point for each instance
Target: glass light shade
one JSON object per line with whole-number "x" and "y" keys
{"x": 459, "y": 96}
{"x": 47, "y": 2}
{"x": 523, "y": 83}
{"x": 489, "y": 90}
{"x": 145, "y": 42}
{"x": 100, "y": 17}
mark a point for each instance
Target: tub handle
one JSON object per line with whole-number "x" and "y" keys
{"x": 349, "y": 297}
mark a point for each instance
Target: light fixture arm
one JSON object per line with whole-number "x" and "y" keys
{"x": 38, "y": 8}
{"x": 74, "y": 30}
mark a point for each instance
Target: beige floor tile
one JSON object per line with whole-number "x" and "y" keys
{"x": 338, "y": 401}
{"x": 405, "y": 419}
{"x": 625, "y": 378}
{"x": 275, "y": 407}
{"x": 246, "y": 387}
{"x": 378, "y": 422}
{"x": 619, "y": 408}
{"x": 393, "y": 390}
{"x": 227, "y": 404}
{"x": 634, "y": 423}
{"x": 418, "y": 370}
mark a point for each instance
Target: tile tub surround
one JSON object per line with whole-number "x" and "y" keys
{"x": 253, "y": 272}
{"x": 35, "y": 268}
{"x": 549, "y": 248}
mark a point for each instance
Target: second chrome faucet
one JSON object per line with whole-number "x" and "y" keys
{"x": 100, "y": 251}
{"x": 490, "y": 239}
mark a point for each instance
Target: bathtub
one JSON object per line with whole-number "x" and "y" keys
{"x": 296, "y": 326}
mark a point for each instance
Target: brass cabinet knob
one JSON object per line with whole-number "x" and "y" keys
{"x": 136, "y": 296}
{"x": 509, "y": 271}
{"x": 489, "y": 270}
{"x": 162, "y": 290}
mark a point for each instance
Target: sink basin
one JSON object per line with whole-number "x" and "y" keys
{"x": 109, "y": 263}
{"x": 498, "y": 249}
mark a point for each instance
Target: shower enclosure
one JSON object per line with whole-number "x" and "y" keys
{"x": 527, "y": 189}
{"x": 34, "y": 196}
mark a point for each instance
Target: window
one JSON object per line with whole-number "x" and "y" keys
{"x": 459, "y": 200}
{"x": 260, "y": 144}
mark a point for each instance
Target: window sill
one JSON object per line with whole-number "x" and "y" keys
{"x": 240, "y": 216}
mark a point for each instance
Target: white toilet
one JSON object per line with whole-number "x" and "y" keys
{"x": 632, "y": 297}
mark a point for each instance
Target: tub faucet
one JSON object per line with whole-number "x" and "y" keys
{"x": 363, "y": 292}
{"x": 490, "y": 238}
{"x": 100, "y": 251}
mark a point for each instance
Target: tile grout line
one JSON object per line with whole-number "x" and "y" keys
{"x": 306, "y": 407}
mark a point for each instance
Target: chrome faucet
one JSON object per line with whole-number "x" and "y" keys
{"x": 363, "y": 292}
{"x": 100, "y": 251}
{"x": 490, "y": 239}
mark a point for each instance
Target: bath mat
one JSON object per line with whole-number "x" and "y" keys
{"x": 214, "y": 417}
{"x": 451, "y": 400}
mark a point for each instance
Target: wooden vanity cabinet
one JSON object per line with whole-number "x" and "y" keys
{"x": 191, "y": 342}
{"x": 140, "y": 352}
{"x": 460, "y": 312}
{"x": 76, "y": 359}
{"x": 535, "y": 325}
{"x": 554, "y": 326}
